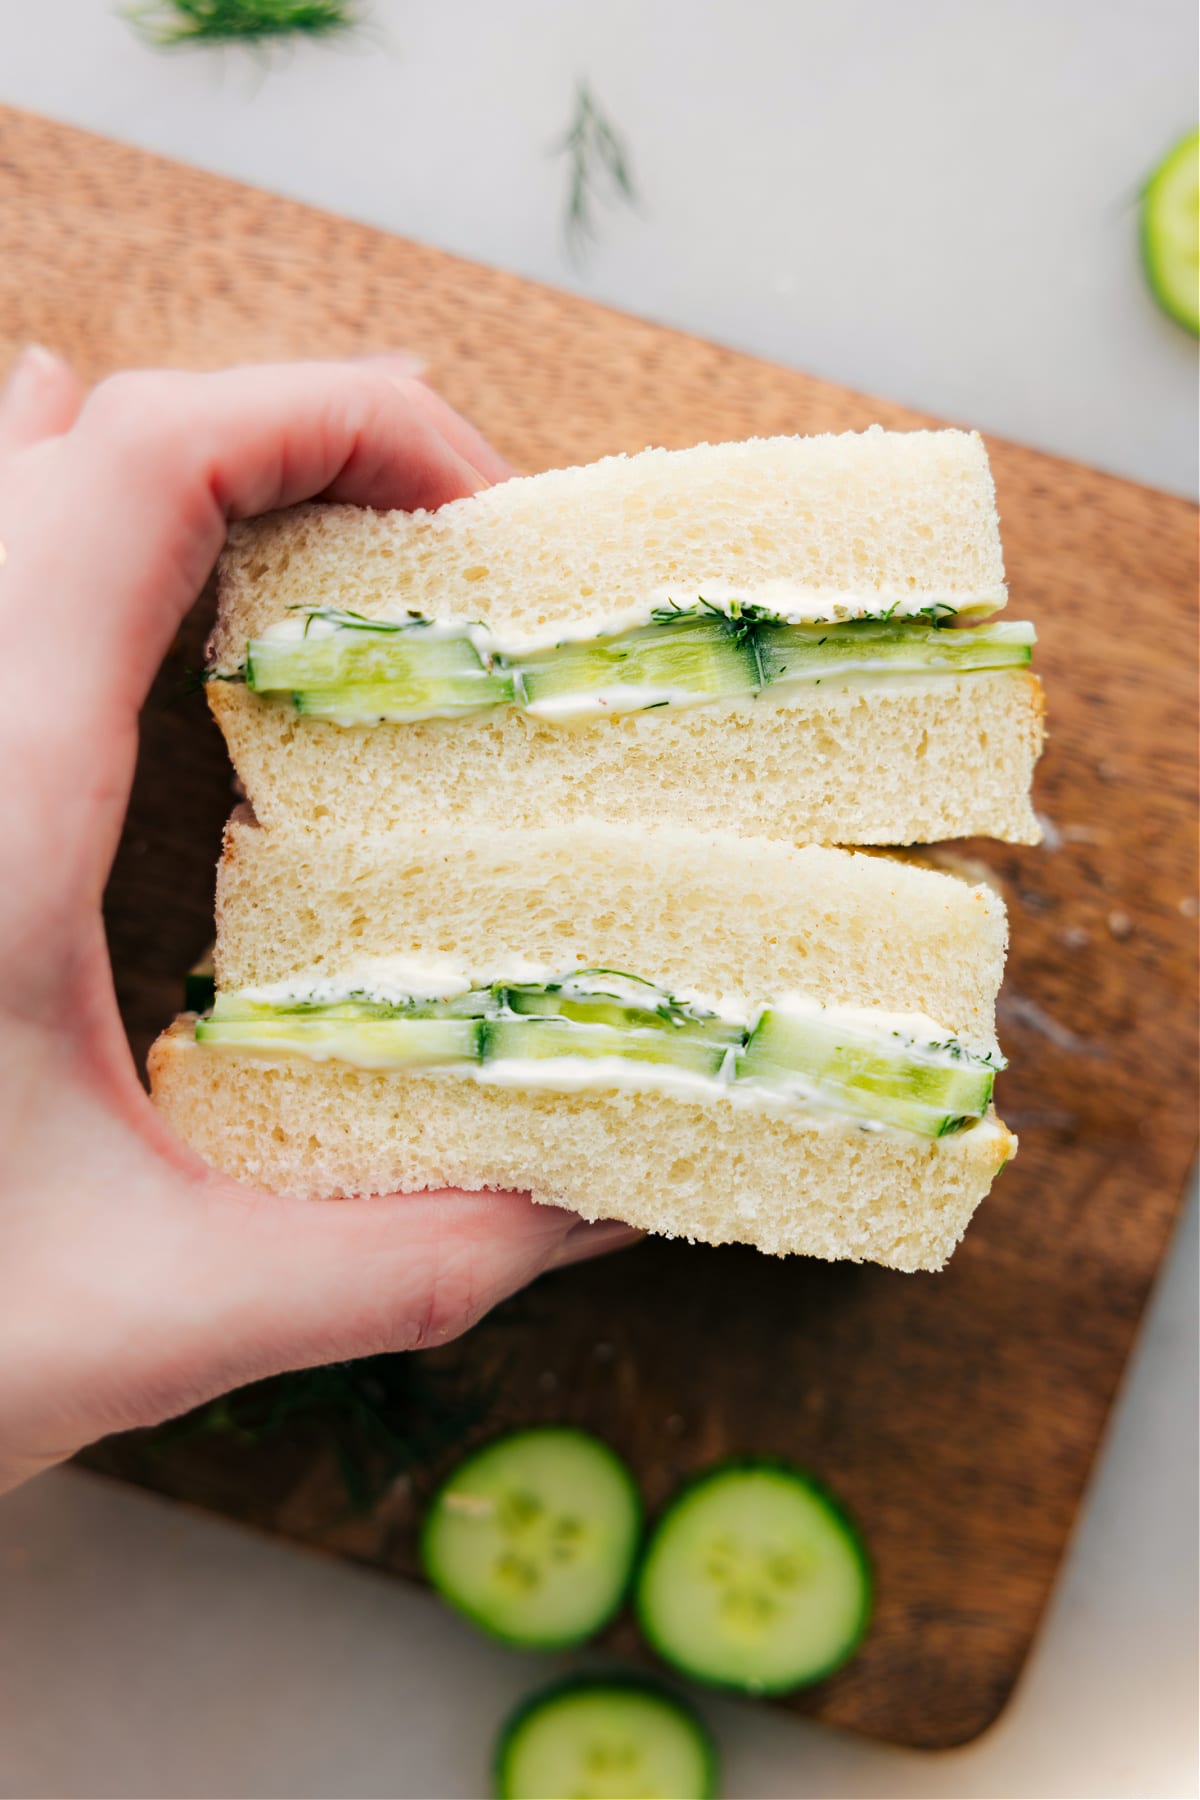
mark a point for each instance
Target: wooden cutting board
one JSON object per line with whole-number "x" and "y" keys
{"x": 957, "y": 1414}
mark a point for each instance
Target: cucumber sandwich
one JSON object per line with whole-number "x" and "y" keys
{"x": 715, "y": 1036}
{"x": 792, "y": 637}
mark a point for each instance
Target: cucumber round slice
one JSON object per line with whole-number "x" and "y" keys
{"x": 534, "y": 1537}
{"x": 754, "y": 1579}
{"x": 1170, "y": 232}
{"x": 615, "y": 1739}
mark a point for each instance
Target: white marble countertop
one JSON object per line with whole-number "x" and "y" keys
{"x": 931, "y": 201}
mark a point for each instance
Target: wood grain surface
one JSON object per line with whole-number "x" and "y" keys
{"x": 959, "y": 1414}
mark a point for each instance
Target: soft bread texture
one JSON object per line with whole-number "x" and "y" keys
{"x": 711, "y": 1173}
{"x": 909, "y": 762}
{"x": 889, "y": 518}
{"x": 686, "y": 909}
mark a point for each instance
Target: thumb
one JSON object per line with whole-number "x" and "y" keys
{"x": 292, "y": 1284}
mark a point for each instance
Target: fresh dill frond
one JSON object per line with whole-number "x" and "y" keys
{"x": 168, "y": 24}
{"x": 353, "y": 621}
{"x": 379, "y": 1418}
{"x": 598, "y": 170}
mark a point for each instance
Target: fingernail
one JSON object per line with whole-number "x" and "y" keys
{"x": 409, "y": 365}
{"x": 31, "y": 368}
{"x": 588, "y": 1239}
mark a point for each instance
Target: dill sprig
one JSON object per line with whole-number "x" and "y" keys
{"x": 354, "y": 621}
{"x": 382, "y": 1417}
{"x": 168, "y": 24}
{"x": 598, "y": 170}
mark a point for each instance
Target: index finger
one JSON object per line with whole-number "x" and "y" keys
{"x": 158, "y": 462}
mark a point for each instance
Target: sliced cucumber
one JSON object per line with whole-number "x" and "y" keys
{"x": 477, "y": 1003}
{"x": 617, "y": 1009}
{"x": 410, "y": 674}
{"x": 615, "y": 1738}
{"x": 355, "y": 670}
{"x": 1170, "y": 232}
{"x": 535, "y": 1040}
{"x": 686, "y": 659}
{"x": 534, "y": 1537}
{"x": 926, "y": 1088}
{"x": 371, "y": 1043}
{"x": 755, "y": 1579}
{"x": 798, "y": 1053}
{"x": 791, "y": 653}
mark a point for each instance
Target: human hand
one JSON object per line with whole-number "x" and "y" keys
{"x": 136, "y": 1282}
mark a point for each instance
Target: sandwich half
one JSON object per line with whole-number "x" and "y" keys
{"x": 716, "y": 1037}
{"x": 790, "y": 638}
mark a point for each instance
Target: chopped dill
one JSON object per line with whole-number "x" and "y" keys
{"x": 352, "y": 621}
{"x": 168, "y": 24}
{"x": 379, "y": 1418}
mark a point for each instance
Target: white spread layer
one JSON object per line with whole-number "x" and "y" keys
{"x": 394, "y": 979}
{"x": 789, "y": 604}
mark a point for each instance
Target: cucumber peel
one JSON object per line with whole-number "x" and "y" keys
{"x": 1170, "y": 232}
{"x": 534, "y": 1537}
{"x": 619, "y": 1737}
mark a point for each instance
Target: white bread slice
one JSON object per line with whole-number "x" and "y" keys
{"x": 909, "y": 762}
{"x": 841, "y": 523}
{"x": 685, "y": 909}
{"x": 716, "y": 913}
{"x": 716, "y": 1174}
{"x": 833, "y": 524}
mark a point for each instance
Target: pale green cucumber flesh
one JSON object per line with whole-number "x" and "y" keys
{"x": 430, "y": 700}
{"x": 876, "y": 1078}
{"x": 873, "y": 1064}
{"x": 535, "y": 1040}
{"x": 696, "y": 656}
{"x": 605, "y": 1738}
{"x": 754, "y": 1579}
{"x": 367, "y": 1043}
{"x": 478, "y": 1003}
{"x": 604, "y": 1009}
{"x": 356, "y": 672}
{"x": 534, "y": 1537}
{"x": 353, "y": 657}
{"x": 1170, "y": 232}
{"x": 814, "y": 652}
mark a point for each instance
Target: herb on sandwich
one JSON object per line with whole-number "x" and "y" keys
{"x": 598, "y": 169}
{"x": 352, "y": 621}
{"x": 168, "y": 24}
